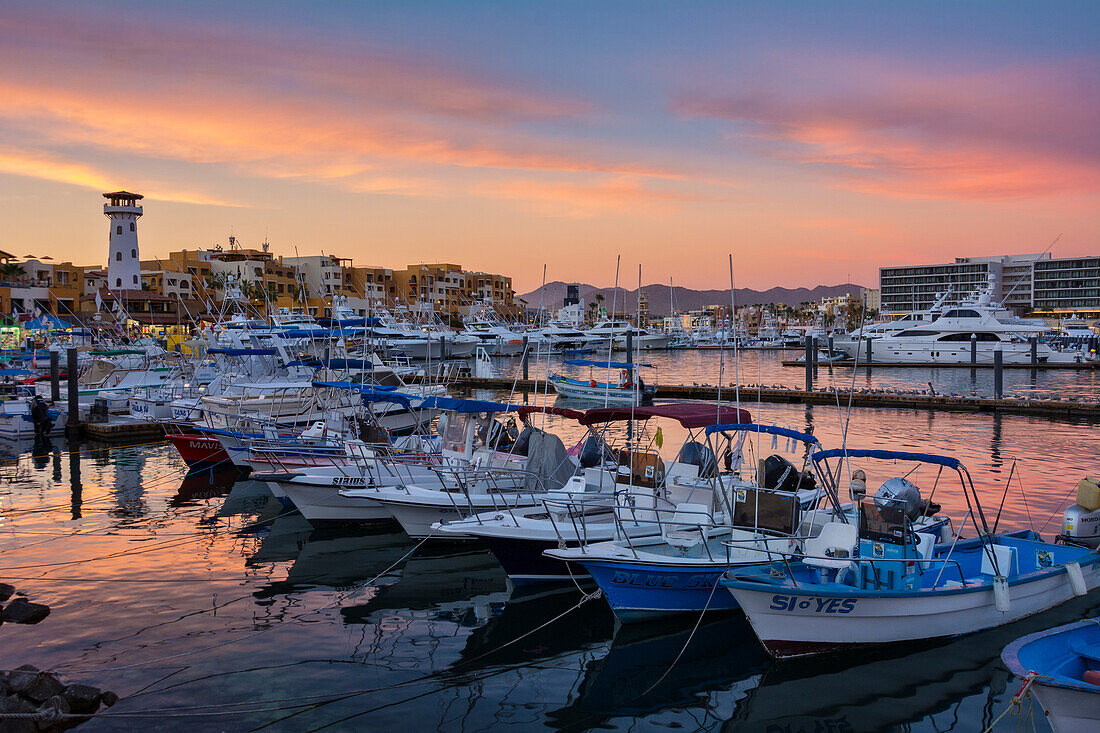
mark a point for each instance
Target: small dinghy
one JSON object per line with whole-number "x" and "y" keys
{"x": 1061, "y": 667}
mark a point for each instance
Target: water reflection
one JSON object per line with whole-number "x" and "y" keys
{"x": 456, "y": 584}
{"x": 527, "y": 609}
{"x": 634, "y": 678}
{"x": 893, "y": 687}
{"x": 200, "y": 486}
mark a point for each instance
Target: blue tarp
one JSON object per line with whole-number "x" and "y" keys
{"x": 363, "y": 363}
{"x": 889, "y": 455}
{"x": 371, "y": 392}
{"x": 456, "y": 405}
{"x": 44, "y": 322}
{"x": 604, "y": 364}
{"x": 242, "y": 352}
{"x": 769, "y": 429}
{"x": 17, "y": 373}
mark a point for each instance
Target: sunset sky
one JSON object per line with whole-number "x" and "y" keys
{"x": 811, "y": 140}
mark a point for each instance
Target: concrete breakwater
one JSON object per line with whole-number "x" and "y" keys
{"x": 858, "y": 398}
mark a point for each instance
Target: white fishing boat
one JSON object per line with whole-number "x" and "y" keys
{"x": 627, "y": 389}
{"x": 480, "y": 472}
{"x": 612, "y": 494}
{"x": 880, "y": 581}
{"x": 17, "y": 422}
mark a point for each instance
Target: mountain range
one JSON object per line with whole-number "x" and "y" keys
{"x": 684, "y": 299}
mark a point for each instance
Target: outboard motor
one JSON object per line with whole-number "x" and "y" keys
{"x": 697, "y": 454}
{"x": 903, "y": 491}
{"x": 1081, "y": 521}
{"x": 498, "y": 436}
{"x": 781, "y": 475}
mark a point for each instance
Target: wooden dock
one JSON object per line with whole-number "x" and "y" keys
{"x": 896, "y": 400}
{"x": 122, "y": 430}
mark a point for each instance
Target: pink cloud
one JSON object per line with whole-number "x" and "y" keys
{"x": 1015, "y": 132}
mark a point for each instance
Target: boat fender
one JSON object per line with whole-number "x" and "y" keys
{"x": 1000, "y": 593}
{"x": 1076, "y": 578}
{"x": 592, "y": 382}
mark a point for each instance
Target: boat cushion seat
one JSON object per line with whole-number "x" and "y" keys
{"x": 1091, "y": 677}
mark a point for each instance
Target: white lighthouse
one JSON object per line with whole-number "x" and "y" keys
{"x": 123, "y": 266}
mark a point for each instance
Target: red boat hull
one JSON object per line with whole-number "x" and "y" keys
{"x": 200, "y": 451}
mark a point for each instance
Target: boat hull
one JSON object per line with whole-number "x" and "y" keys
{"x": 792, "y": 622}
{"x": 199, "y": 451}
{"x": 523, "y": 561}
{"x": 638, "y": 593}
{"x": 325, "y": 505}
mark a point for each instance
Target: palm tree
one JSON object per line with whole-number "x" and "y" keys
{"x": 12, "y": 271}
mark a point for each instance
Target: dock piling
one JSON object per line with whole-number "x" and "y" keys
{"x": 869, "y": 350}
{"x": 809, "y": 363}
{"x": 973, "y": 348}
{"x": 526, "y": 340}
{"x": 55, "y": 376}
{"x": 998, "y": 374}
{"x": 72, "y": 426}
{"x": 1034, "y": 341}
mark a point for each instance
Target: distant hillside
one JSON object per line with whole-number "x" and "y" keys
{"x": 685, "y": 299}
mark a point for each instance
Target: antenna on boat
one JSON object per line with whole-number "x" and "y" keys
{"x": 611, "y": 337}
{"x": 736, "y": 353}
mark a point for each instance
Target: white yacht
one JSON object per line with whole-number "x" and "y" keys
{"x": 948, "y": 339}
{"x": 614, "y": 333}
{"x": 1076, "y": 327}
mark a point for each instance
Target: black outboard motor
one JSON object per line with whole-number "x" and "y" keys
{"x": 781, "y": 475}
{"x": 40, "y": 415}
{"x": 697, "y": 454}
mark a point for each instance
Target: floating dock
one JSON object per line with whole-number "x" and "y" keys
{"x": 940, "y": 365}
{"x": 896, "y": 400}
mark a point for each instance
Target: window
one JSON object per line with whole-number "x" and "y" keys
{"x": 118, "y": 282}
{"x": 135, "y": 280}
{"x": 118, "y": 229}
{"x": 118, "y": 257}
{"x": 131, "y": 226}
{"x": 133, "y": 253}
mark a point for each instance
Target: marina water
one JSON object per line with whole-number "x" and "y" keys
{"x": 207, "y": 605}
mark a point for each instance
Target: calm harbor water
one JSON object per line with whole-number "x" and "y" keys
{"x": 764, "y": 367}
{"x": 206, "y": 605}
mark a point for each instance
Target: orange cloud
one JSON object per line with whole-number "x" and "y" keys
{"x": 38, "y": 165}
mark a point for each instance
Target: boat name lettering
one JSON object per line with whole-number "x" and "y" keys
{"x": 816, "y": 605}
{"x": 348, "y": 481}
{"x": 621, "y": 577}
{"x": 201, "y": 444}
